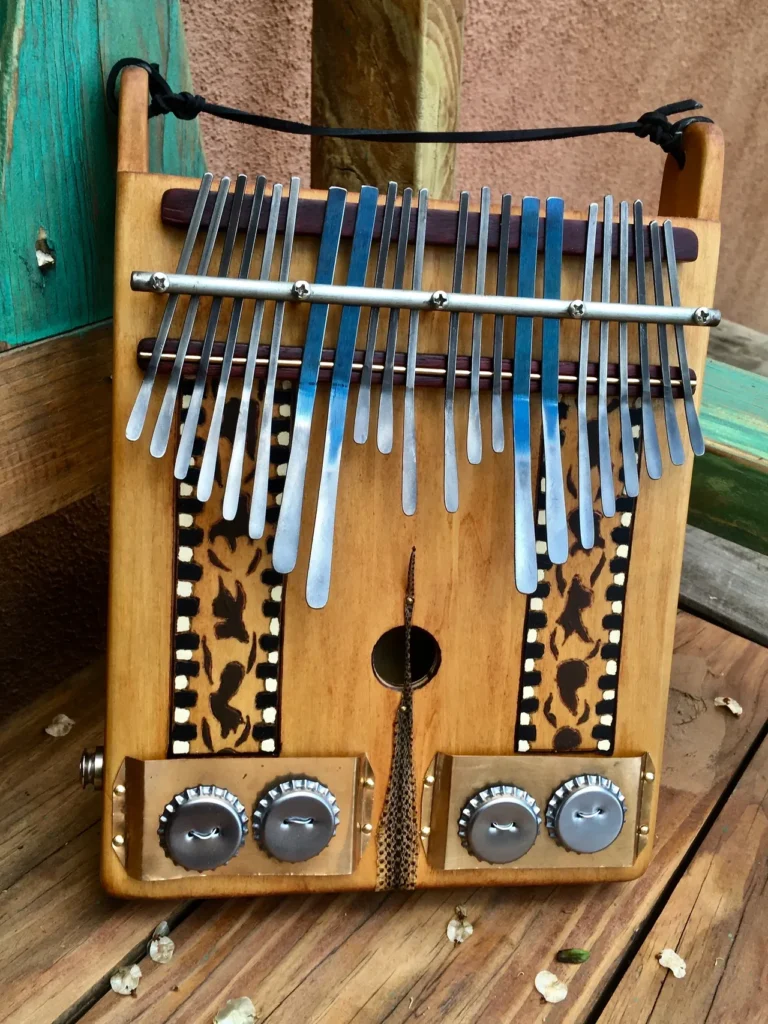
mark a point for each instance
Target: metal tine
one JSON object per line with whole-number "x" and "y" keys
{"x": 607, "y": 493}
{"x": 258, "y": 514}
{"x": 385, "y": 426}
{"x": 235, "y": 471}
{"x": 189, "y": 430}
{"x": 451, "y": 470}
{"x": 691, "y": 416}
{"x": 554, "y": 495}
{"x": 138, "y": 416}
{"x": 363, "y": 410}
{"x": 497, "y": 415}
{"x": 286, "y": 546}
{"x": 526, "y": 569}
{"x": 674, "y": 440}
{"x": 650, "y": 434}
{"x": 628, "y": 457}
{"x": 162, "y": 431}
{"x": 319, "y": 573}
{"x": 410, "y": 484}
{"x": 586, "y": 513}
{"x": 474, "y": 427}
{"x": 210, "y": 454}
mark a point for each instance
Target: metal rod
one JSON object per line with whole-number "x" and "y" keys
{"x": 674, "y": 439}
{"x": 410, "y": 483}
{"x": 436, "y": 301}
{"x": 363, "y": 410}
{"x": 554, "y": 495}
{"x": 385, "y": 425}
{"x": 526, "y": 569}
{"x": 691, "y": 416}
{"x": 286, "y": 546}
{"x": 474, "y": 426}
{"x": 258, "y": 513}
{"x": 628, "y": 457}
{"x": 321, "y": 555}
{"x": 162, "y": 432}
{"x": 138, "y": 415}
{"x": 650, "y": 434}
{"x": 497, "y": 413}
{"x": 210, "y": 454}
{"x": 607, "y": 494}
{"x": 450, "y": 466}
{"x": 586, "y": 514}
{"x": 232, "y": 489}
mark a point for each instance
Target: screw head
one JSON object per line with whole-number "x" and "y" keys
{"x": 649, "y": 776}
{"x": 703, "y": 316}
{"x": 576, "y": 309}
{"x": 426, "y": 830}
{"x": 439, "y": 299}
{"x": 370, "y": 783}
{"x": 430, "y": 780}
{"x": 644, "y": 830}
{"x": 119, "y": 789}
{"x": 118, "y": 840}
{"x": 301, "y": 290}
{"x": 159, "y": 281}
{"x": 368, "y": 828}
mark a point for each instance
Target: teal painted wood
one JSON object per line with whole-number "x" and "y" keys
{"x": 57, "y": 146}
{"x": 734, "y": 410}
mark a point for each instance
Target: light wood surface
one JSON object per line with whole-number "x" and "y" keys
{"x": 375, "y": 957}
{"x": 404, "y": 58}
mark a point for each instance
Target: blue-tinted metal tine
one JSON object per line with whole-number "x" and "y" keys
{"x": 554, "y": 494}
{"x": 586, "y": 511}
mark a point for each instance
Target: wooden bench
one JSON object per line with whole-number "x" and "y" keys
{"x": 386, "y": 957}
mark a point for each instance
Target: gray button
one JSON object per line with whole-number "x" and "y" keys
{"x": 203, "y": 827}
{"x": 586, "y": 813}
{"x": 499, "y": 824}
{"x": 296, "y": 819}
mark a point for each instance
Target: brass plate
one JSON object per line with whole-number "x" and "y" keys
{"x": 459, "y": 778}
{"x": 149, "y": 785}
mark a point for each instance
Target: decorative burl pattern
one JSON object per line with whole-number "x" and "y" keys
{"x": 573, "y": 624}
{"x": 229, "y": 600}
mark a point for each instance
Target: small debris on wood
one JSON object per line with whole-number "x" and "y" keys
{"x": 676, "y": 964}
{"x": 60, "y": 726}
{"x": 162, "y": 948}
{"x": 459, "y": 928}
{"x": 126, "y": 980}
{"x": 728, "y": 702}
{"x": 572, "y": 956}
{"x": 44, "y": 254}
{"x": 237, "y": 1011}
{"x": 550, "y": 987}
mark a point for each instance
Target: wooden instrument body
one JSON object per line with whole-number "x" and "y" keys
{"x": 330, "y": 702}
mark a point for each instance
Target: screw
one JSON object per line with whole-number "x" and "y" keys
{"x": 430, "y": 780}
{"x": 703, "y": 316}
{"x": 119, "y": 789}
{"x": 426, "y": 830}
{"x": 439, "y": 299}
{"x": 649, "y": 776}
{"x": 576, "y": 309}
{"x": 370, "y": 783}
{"x": 644, "y": 830}
{"x": 159, "y": 281}
{"x": 118, "y": 840}
{"x": 368, "y": 828}
{"x": 301, "y": 290}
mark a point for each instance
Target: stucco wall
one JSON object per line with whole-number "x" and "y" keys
{"x": 529, "y": 64}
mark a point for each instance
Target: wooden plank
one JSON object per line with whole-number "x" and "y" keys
{"x": 715, "y": 920}
{"x": 60, "y": 935}
{"x": 373, "y": 957}
{"x": 53, "y": 117}
{"x": 55, "y": 415}
{"x": 739, "y": 346}
{"x": 727, "y": 583}
{"x": 386, "y": 65}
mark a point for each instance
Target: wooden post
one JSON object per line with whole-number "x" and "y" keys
{"x": 393, "y": 64}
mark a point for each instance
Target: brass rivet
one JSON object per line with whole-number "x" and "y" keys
{"x": 649, "y": 776}
{"x": 430, "y": 780}
{"x": 119, "y": 789}
{"x": 644, "y": 830}
{"x": 426, "y": 830}
{"x": 118, "y": 840}
{"x": 370, "y": 783}
{"x": 368, "y": 828}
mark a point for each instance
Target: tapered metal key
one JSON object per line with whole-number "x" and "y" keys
{"x": 138, "y": 415}
{"x": 497, "y": 410}
{"x": 586, "y": 512}
{"x": 385, "y": 427}
{"x": 409, "y": 403}
{"x": 554, "y": 495}
{"x": 450, "y": 466}
{"x": 607, "y": 493}
{"x": 674, "y": 440}
{"x": 363, "y": 410}
{"x": 474, "y": 427}
{"x": 286, "y": 546}
{"x": 650, "y": 434}
{"x": 628, "y": 458}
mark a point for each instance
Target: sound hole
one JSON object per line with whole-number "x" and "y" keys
{"x": 388, "y": 658}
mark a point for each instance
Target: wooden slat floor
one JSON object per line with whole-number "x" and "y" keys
{"x": 371, "y": 958}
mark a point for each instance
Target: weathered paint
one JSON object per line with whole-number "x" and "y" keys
{"x": 57, "y": 142}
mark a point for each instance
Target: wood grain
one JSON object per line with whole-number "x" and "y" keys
{"x": 370, "y": 957}
{"x": 55, "y": 401}
{"x": 404, "y": 58}
{"x": 695, "y": 190}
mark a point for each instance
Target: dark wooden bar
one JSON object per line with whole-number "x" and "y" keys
{"x": 568, "y": 369}
{"x": 177, "y": 204}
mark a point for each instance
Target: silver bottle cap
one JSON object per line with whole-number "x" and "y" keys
{"x": 586, "y": 813}
{"x": 203, "y": 827}
{"x": 499, "y": 824}
{"x": 295, "y": 820}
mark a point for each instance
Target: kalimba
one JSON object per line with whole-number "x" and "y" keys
{"x": 398, "y": 507}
